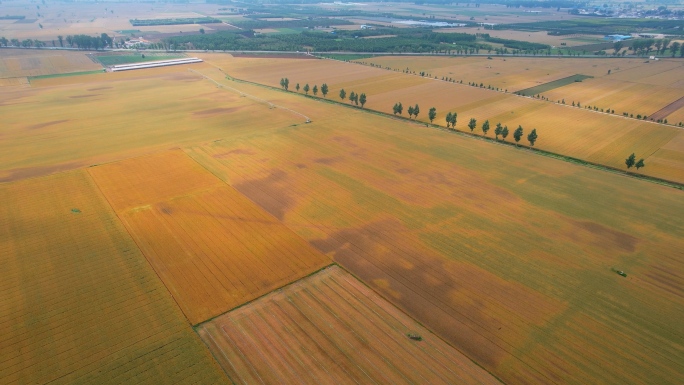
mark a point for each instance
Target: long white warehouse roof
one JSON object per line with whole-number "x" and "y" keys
{"x": 152, "y": 64}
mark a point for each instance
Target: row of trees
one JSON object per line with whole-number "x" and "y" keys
{"x": 413, "y": 111}
{"x": 452, "y": 117}
{"x": 659, "y": 46}
{"x": 354, "y": 98}
{"x": 80, "y": 41}
{"x": 503, "y": 131}
{"x": 632, "y": 162}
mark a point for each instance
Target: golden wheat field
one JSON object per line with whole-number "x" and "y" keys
{"x": 147, "y": 212}
{"x": 329, "y": 328}
{"x": 213, "y": 248}
{"x": 79, "y": 302}
{"x": 589, "y": 135}
{"x": 91, "y": 119}
{"x": 509, "y": 256}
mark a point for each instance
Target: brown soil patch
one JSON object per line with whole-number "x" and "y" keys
{"x": 216, "y": 111}
{"x": 239, "y": 151}
{"x": 262, "y": 192}
{"x": 46, "y": 124}
{"x": 667, "y": 110}
{"x": 30, "y": 172}
{"x": 99, "y": 88}
{"x": 602, "y": 236}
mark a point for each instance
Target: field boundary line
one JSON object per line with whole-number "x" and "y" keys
{"x": 332, "y": 263}
{"x": 128, "y": 231}
{"x": 529, "y": 149}
{"x": 244, "y": 94}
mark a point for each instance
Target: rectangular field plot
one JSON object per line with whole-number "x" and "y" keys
{"x": 213, "y": 248}
{"x": 329, "y": 328}
{"x": 79, "y": 303}
{"x": 22, "y": 63}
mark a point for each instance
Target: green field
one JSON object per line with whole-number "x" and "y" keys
{"x": 109, "y": 60}
{"x": 552, "y": 85}
{"x": 65, "y": 75}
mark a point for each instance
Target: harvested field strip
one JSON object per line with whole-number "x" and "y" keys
{"x": 552, "y": 85}
{"x": 80, "y": 304}
{"x": 359, "y": 195}
{"x": 667, "y": 110}
{"x": 331, "y": 329}
{"x": 213, "y": 248}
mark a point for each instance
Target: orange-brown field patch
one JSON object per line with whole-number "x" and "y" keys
{"x": 212, "y": 247}
{"x": 495, "y": 249}
{"x": 329, "y": 328}
{"x": 80, "y": 304}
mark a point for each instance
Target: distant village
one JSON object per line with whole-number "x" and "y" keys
{"x": 630, "y": 12}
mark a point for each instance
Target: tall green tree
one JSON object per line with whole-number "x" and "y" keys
{"x": 485, "y": 127}
{"x": 315, "y": 90}
{"x": 352, "y": 97}
{"x": 640, "y": 164}
{"x": 517, "y": 135}
{"x": 410, "y": 111}
{"x": 532, "y": 137}
{"x": 472, "y": 124}
{"x": 504, "y": 132}
{"x": 297, "y": 87}
{"x": 398, "y": 108}
{"x": 617, "y": 46}
{"x": 362, "y": 99}
{"x": 674, "y": 47}
{"x": 324, "y": 89}
{"x": 416, "y": 110}
{"x": 61, "y": 40}
{"x": 630, "y": 160}
{"x": 454, "y": 116}
{"x": 343, "y": 94}
{"x": 432, "y": 114}
{"x": 448, "y": 119}
{"x": 306, "y": 88}
{"x": 498, "y": 130}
